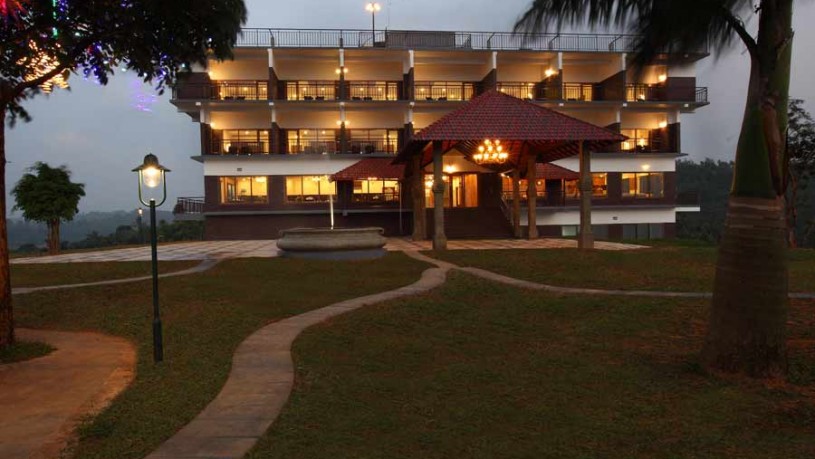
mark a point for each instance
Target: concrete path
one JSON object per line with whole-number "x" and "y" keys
{"x": 203, "y": 266}
{"x": 261, "y": 380}
{"x": 267, "y": 249}
{"x": 44, "y": 399}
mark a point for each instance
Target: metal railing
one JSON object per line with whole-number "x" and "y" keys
{"x": 417, "y": 39}
{"x": 527, "y": 91}
{"x": 444, "y": 90}
{"x": 374, "y": 90}
{"x": 189, "y": 206}
{"x": 317, "y": 147}
{"x": 583, "y": 92}
{"x": 312, "y": 90}
{"x": 368, "y": 147}
{"x": 239, "y": 147}
{"x": 701, "y": 96}
{"x": 639, "y": 92}
{"x": 241, "y": 90}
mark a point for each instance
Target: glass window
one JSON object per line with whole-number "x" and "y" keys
{"x": 311, "y": 90}
{"x": 649, "y": 185}
{"x": 309, "y": 189}
{"x": 312, "y": 141}
{"x": 367, "y": 141}
{"x": 244, "y": 190}
{"x": 461, "y": 190}
{"x": 639, "y": 140}
{"x": 241, "y": 141}
{"x": 376, "y": 191}
{"x": 599, "y": 186}
{"x": 569, "y": 230}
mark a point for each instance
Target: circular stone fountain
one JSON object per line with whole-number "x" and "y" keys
{"x": 332, "y": 244}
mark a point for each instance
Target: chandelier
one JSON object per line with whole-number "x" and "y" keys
{"x": 491, "y": 152}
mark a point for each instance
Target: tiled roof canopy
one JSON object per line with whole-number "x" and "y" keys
{"x": 380, "y": 168}
{"x": 526, "y": 127}
{"x": 551, "y": 171}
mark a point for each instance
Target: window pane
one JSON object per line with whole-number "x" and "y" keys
{"x": 599, "y": 184}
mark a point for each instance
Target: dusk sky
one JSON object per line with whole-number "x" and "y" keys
{"x": 101, "y": 133}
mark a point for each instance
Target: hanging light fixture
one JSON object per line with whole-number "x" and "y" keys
{"x": 491, "y": 152}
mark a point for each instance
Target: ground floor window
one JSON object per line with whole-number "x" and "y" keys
{"x": 644, "y": 231}
{"x": 309, "y": 189}
{"x": 648, "y": 185}
{"x": 244, "y": 190}
{"x": 375, "y": 191}
{"x": 599, "y": 186}
{"x": 461, "y": 190}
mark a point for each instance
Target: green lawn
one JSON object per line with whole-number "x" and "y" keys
{"x": 661, "y": 268}
{"x": 38, "y": 275}
{"x": 205, "y": 317}
{"x": 24, "y": 350}
{"x": 479, "y": 370}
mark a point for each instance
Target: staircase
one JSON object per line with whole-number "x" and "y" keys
{"x": 473, "y": 223}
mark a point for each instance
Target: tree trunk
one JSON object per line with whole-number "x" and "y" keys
{"x": 747, "y": 329}
{"x": 792, "y": 211}
{"x": 53, "y": 237}
{"x": 6, "y": 311}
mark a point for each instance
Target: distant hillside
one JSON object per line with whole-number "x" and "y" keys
{"x": 21, "y": 232}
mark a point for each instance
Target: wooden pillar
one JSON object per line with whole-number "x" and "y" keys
{"x": 516, "y": 202}
{"x": 439, "y": 239}
{"x": 532, "y": 197}
{"x": 417, "y": 195}
{"x": 343, "y": 139}
{"x": 585, "y": 240}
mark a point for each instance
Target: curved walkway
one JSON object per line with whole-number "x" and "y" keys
{"x": 199, "y": 268}
{"x": 44, "y": 399}
{"x": 261, "y": 380}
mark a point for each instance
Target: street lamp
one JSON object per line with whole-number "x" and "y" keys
{"x": 151, "y": 175}
{"x": 373, "y": 8}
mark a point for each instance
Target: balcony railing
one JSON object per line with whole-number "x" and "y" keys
{"x": 312, "y": 90}
{"x": 368, "y": 147}
{"x": 444, "y": 91}
{"x": 316, "y": 147}
{"x": 415, "y": 39}
{"x": 374, "y": 90}
{"x": 189, "y": 206}
{"x": 583, "y": 92}
{"x": 239, "y": 147}
{"x": 224, "y": 90}
{"x": 520, "y": 90}
{"x": 701, "y": 96}
{"x": 661, "y": 93}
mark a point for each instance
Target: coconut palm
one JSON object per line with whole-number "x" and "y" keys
{"x": 749, "y": 306}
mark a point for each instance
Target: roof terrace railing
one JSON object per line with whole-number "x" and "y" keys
{"x": 416, "y": 39}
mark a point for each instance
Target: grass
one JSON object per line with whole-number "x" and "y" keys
{"x": 671, "y": 268}
{"x": 479, "y": 370}
{"x": 24, "y": 350}
{"x": 205, "y": 317}
{"x": 38, "y": 275}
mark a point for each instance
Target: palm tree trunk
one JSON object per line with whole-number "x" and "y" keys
{"x": 6, "y": 311}
{"x": 747, "y": 332}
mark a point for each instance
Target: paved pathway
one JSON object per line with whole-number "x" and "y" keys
{"x": 203, "y": 266}
{"x": 44, "y": 399}
{"x": 261, "y": 380}
{"x": 266, "y": 249}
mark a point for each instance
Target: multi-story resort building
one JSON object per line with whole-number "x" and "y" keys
{"x": 303, "y": 117}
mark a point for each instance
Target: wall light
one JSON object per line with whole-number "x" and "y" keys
{"x": 646, "y": 167}
{"x": 549, "y": 72}
{"x": 662, "y": 78}
{"x": 663, "y": 124}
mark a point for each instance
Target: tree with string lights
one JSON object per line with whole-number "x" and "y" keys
{"x": 43, "y": 42}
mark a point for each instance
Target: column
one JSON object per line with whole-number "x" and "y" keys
{"x": 272, "y": 85}
{"x": 343, "y": 130}
{"x": 532, "y": 196}
{"x": 439, "y": 239}
{"x": 341, "y": 71}
{"x": 585, "y": 240}
{"x": 417, "y": 196}
{"x": 516, "y": 201}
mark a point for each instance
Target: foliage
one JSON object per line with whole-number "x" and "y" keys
{"x": 801, "y": 151}
{"x": 181, "y": 231}
{"x": 47, "y": 195}
{"x": 712, "y": 179}
{"x": 97, "y": 37}
{"x": 130, "y": 235}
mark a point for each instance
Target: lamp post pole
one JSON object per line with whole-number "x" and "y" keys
{"x": 158, "y": 338}
{"x": 373, "y": 7}
{"x": 152, "y": 174}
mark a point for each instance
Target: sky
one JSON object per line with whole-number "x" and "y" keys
{"x": 102, "y": 133}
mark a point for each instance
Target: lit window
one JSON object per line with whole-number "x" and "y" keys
{"x": 650, "y": 185}
{"x": 376, "y": 191}
{"x": 244, "y": 190}
{"x": 309, "y": 189}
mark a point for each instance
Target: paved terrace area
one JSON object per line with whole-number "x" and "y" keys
{"x": 264, "y": 249}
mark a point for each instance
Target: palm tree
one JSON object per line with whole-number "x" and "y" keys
{"x": 749, "y": 307}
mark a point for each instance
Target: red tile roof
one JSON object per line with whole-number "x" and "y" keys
{"x": 380, "y": 168}
{"x": 495, "y": 115}
{"x": 550, "y": 171}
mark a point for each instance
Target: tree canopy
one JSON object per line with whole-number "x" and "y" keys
{"x": 46, "y": 194}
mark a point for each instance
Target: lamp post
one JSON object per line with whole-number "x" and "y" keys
{"x": 151, "y": 175}
{"x": 373, "y": 8}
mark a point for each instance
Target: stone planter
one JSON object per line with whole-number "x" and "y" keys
{"x": 336, "y": 244}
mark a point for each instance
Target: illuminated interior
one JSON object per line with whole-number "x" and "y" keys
{"x": 647, "y": 185}
{"x": 375, "y": 190}
{"x": 244, "y": 190}
{"x": 309, "y": 189}
{"x": 312, "y": 141}
{"x": 240, "y": 142}
{"x": 461, "y": 190}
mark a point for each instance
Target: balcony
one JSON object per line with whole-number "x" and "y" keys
{"x": 581, "y": 92}
{"x": 369, "y": 147}
{"x": 224, "y": 90}
{"x": 444, "y": 90}
{"x": 239, "y": 147}
{"x": 313, "y": 147}
{"x": 441, "y": 40}
{"x": 662, "y": 93}
{"x": 312, "y": 90}
{"x": 189, "y": 209}
{"x": 374, "y": 90}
